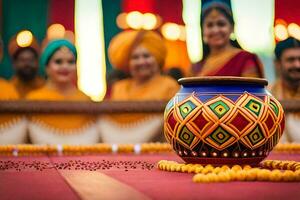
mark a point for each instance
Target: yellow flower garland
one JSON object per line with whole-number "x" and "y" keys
{"x": 30, "y": 149}
{"x": 27, "y": 149}
{"x": 288, "y": 147}
{"x": 271, "y": 170}
{"x": 208, "y": 173}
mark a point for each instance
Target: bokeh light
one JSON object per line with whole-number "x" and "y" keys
{"x": 281, "y": 32}
{"x": 121, "y": 21}
{"x": 56, "y": 31}
{"x": 171, "y": 31}
{"x": 24, "y": 38}
{"x": 135, "y": 20}
{"x": 149, "y": 21}
{"x": 69, "y": 35}
{"x": 294, "y": 30}
{"x": 182, "y": 35}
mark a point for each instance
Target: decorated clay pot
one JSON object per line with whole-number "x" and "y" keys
{"x": 223, "y": 120}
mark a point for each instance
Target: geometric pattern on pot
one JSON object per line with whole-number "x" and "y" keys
{"x": 276, "y": 108}
{"x": 278, "y": 112}
{"x": 185, "y": 110}
{"x": 169, "y": 106}
{"x": 202, "y": 123}
{"x": 170, "y": 125}
{"x": 255, "y": 138}
{"x": 188, "y": 107}
{"x": 253, "y": 105}
{"x": 187, "y": 137}
{"x": 220, "y": 139}
{"x": 266, "y": 120}
{"x": 174, "y": 120}
{"x": 240, "y": 122}
{"x": 219, "y": 107}
{"x": 256, "y": 109}
{"x": 220, "y": 122}
{"x": 269, "y": 123}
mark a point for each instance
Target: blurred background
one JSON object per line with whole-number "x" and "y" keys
{"x": 259, "y": 25}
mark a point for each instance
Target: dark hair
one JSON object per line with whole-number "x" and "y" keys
{"x": 175, "y": 72}
{"x": 20, "y": 50}
{"x": 224, "y": 10}
{"x": 116, "y": 75}
{"x": 286, "y": 44}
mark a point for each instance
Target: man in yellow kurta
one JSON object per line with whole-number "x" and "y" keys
{"x": 142, "y": 54}
{"x": 25, "y": 62}
{"x": 287, "y": 86}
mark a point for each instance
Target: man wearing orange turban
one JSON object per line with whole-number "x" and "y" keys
{"x": 142, "y": 54}
{"x": 25, "y": 62}
{"x": 122, "y": 45}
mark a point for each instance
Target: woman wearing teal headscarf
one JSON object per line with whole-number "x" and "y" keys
{"x": 59, "y": 58}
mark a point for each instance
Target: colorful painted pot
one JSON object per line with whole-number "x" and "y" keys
{"x": 223, "y": 120}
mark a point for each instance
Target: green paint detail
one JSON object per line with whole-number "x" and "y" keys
{"x": 254, "y": 106}
{"x": 219, "y": 108}
{"x": 220, "y": 136}
{"x": 274, "y": 107}
{"x": 186, "y": 136}
{"x": 255, "y": 136}
{"x": 186, "y": 108}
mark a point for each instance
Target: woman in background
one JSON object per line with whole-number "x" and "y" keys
{"x": 142, "y": 55}
{"x": 221, "y": 55}
{"x": 59, "y": 57}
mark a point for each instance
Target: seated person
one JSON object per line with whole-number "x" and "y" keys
{"x": 287, "y": 87}
{"x": 26, "y": 63}
{"x": 59, "y": 57}
{"x": 221, "y": 55}
{"x": 142, "y": 54}
{"x": 13, "y": 128}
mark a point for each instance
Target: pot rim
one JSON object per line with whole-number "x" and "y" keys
{"x": 222, "y": 80}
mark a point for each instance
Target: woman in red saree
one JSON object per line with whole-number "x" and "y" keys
{"x": 222, "y": 56}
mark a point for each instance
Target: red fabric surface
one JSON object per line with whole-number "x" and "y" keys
{"x": 137, "y": 171}
{"x": 33, "y": 184}
{"x": 169, "y": 185}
